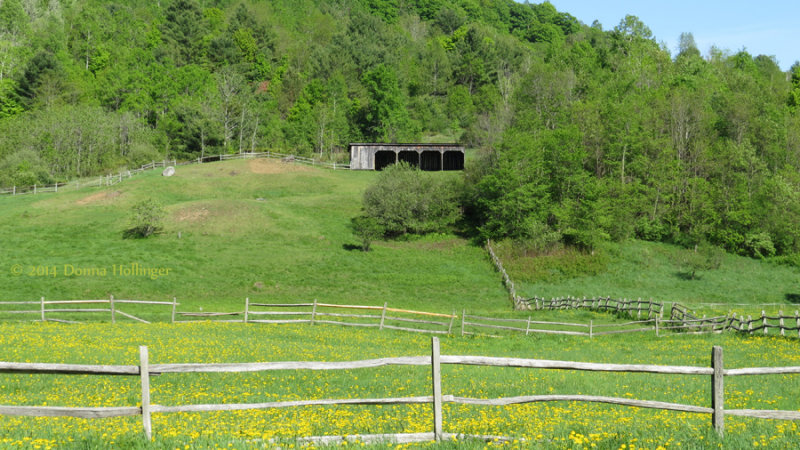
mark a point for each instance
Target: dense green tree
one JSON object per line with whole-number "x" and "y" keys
{"x": 385, "y": 118}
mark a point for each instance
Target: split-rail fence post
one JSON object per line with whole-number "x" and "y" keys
{"x": 144, "y": 373}
{"x": 452, "y": 319}
{"x": 436, "y": 369}
{"x": 174, "y": 307}
{"x": 383, "y": 315}
{"x": 314, "y": 312}
{"x": 718, "y": 391}
{"x": 43, "y": 319}
{"x": 246, "y": 308}
{"x": 113, "y": 311}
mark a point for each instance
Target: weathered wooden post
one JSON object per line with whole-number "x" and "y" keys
{"x": 43, "y": 319}
{"x": 780, "y": 315}
{"x": 463, "y": 313}
{"x": 15, "y": 191}
{"x": 246, "y": 308}
{"x": 113, "y": 311}
{"x": 591, "y": 329}
{"x": 764, "y": 320}
{"x": 436, "y": 370}
{"x": 174, "y": 307}
{"x": 528, "y": 326}
{"x": 314, "y": 312}
{"x": 144, "y": 373}
{"x": 657, "y": 320}
{"x": 383, "y": 315}
{"x": 34, "y": 189}
{"x": 452, "y": 319}
{"x": 797, "y": 321}
{"x": 717, "y": 391}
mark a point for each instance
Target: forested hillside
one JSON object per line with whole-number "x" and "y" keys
{"x": 585, "y": 133}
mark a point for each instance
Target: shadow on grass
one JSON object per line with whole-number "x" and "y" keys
{"x": 793, "y": 298}
{"x": 687, "y": 276}
{"x": 352, "y": 247}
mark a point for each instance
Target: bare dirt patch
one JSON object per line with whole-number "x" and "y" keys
{"x": 100, "y": 197}
{"x": 273, "y": 167}
{"x": 195, "y": 214}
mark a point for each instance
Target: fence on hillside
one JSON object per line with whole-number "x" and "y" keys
{"x": 112, "y": 179}
{"x": 716, "y": 371}
{"x": 680, "y": 319}
{"x": 517, "y": 302}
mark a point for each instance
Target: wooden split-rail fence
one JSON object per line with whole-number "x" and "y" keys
{"x": 647, "y": 317}
{"x": 110, "y": 306}
{"x": 716, "y": 372}
{"x": 645, "y": 312}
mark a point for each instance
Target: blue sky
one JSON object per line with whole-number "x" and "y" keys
{"x": 768, "y": 27}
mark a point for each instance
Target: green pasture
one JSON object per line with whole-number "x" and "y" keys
{"x": 648, "y": 270}
{"x": 231, "y": 233}
{"x": 536, "y": 425}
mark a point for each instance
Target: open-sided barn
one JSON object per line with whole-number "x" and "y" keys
{"x": 431, "y": 157}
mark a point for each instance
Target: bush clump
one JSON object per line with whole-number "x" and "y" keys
{"x": 146, "y": 219}
{"x": 405, "y": 200}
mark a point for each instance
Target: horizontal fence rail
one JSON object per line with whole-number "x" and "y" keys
{"x": 716, "y": 372}
{"x": 112, "y": 179}
{"x": 45, "y": 308}
{"x": 385, "y": 317}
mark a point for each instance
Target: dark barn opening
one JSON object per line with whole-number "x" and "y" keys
{"x": 430, "y": 161}
{"x": 384, "y": 158}
{"x": 453, "y": 161}
{"x": 411, "y": 157}
{"x": 426, "y": 156}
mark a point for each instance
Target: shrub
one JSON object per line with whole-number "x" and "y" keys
{"x": 759, "y": 245}
{"x": 367, "y": 229}
{"x": 704, "y": 257}
{"x": 406, "y": 200}
{"x": 146, "y": 219}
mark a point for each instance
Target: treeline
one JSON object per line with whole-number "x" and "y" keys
{"x": 183, "y": 78}
{"x": 612, "y": 138}
{"x": 584, "y": 134}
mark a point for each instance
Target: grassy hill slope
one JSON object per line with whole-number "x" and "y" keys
{"x": 258, "y": 228}
{"x": 638, "y": 269}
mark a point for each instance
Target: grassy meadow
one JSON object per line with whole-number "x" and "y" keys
{"x": 261, "y": 229}
{"x": 543, "y": 425}
{"x": 278, "y": 232}
{"x": 649, "y": 270}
